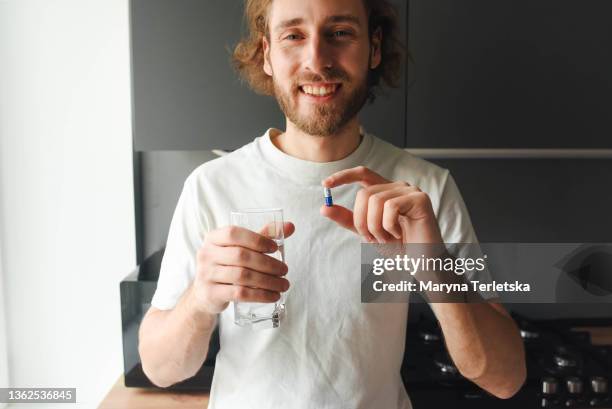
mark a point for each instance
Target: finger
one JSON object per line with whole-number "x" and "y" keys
{"x": 376, "y": 213}
{"x": 289, "y": 229}
{"x": 254, "y": 260}
{"x": 272, "y": 230}
{"x": 340, "y": 215}
{"x": 229, "y": 292}
{"x": 360, "y": 214}
{"x": 390, "y": 219}
{"x": 391, "y": 215}
{"x": 360, "y": 209}
{"x": 368, "y": 223}
{"x": 247, "y": 294}
{"x": 360, "y": 174}
{"x": 243, "y": 237}
{"x": 248, "y": 278}
{"x": 414, "y": 206}
{"x": 345, "y": 217}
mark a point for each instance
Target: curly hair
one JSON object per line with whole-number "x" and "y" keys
{"x": 248, "y": 55}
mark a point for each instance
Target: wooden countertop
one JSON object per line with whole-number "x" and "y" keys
{"x": 121, "y": 397}
{"x": 599, "y": 335}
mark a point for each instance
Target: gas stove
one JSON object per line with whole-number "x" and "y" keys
{"x": 564, "y": 369}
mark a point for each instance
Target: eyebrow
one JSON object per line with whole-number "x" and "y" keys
{"x": 340, "y": 18}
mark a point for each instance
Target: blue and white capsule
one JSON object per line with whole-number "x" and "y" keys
{"x": 328, "y": 197}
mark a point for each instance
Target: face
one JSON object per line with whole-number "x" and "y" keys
{"x": 319, "y": 54}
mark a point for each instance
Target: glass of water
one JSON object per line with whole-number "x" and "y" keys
{"x": 269, "y": 223}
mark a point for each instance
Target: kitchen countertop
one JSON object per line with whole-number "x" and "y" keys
{"x": 121, "y": 397}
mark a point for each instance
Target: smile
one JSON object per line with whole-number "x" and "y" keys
{"x": 319, "y": 90}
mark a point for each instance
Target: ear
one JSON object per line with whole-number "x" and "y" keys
{"x": 266, "y": 54}
{"x": 375, "y": 48}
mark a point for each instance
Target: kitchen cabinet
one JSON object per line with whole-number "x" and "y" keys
{"x": 186, "y": 96}
{"x": 502, "y": 74}
{"x": 510, "y": 74}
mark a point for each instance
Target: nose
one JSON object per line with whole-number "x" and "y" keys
{"x": 319, "y": 56}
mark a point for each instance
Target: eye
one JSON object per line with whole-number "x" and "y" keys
{"x": 292, "y": 37}
{"x": 341, "y": 33}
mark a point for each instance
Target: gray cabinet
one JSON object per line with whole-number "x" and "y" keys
{"x": 510, "y": 74}
{"x": 387, "y": 116}
{"x": 485, "y": 74}
{"x": 186, "y": 96}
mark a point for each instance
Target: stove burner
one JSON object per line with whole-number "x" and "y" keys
{"x": 528, "y": 334}
{"x": 445, "y": 364}
{"x": 565, "y": 358}
{"x": 429, "y": 336}
{"x": 527, "y": 330}
{"x": 429, "y": 332}
{"x": 564, "y": 362}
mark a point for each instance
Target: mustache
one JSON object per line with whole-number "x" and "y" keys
{"x": 330, "y": 75}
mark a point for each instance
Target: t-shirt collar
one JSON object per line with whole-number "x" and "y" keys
{"x": 305, "y": 172}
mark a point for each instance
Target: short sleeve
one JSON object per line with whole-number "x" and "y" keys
{"x": 185, "y": 237}
{"x": 453, "y": 217}
{"x": 456, "y": 227}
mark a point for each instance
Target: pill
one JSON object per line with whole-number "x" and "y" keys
{"x": 328, "y": 197}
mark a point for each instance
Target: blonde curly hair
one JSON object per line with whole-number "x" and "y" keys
{"x": 248, "y": 55}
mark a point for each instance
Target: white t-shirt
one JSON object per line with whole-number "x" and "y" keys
{"x": 330, "y": 351}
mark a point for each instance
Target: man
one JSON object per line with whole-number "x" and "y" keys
{"x": 321, "y": 60}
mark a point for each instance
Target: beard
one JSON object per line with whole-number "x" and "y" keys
{"x": 328, "y": 118}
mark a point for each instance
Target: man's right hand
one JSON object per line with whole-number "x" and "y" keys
{"x": 232, "y": 265}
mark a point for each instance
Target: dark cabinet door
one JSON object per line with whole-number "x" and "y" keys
{"x": 185, "y": 93}
{"x": 186, "y": 96}
{"x": 510, "y": 74}
{"x": 386, "y": 117}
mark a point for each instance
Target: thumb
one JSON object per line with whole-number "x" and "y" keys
{"x": 340, "y": 215}
{"x": 288, "y": 229}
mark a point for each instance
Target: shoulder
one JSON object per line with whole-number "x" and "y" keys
{"x": 220, "y": 167}
{"x": 399, "y": 164}
{"x": 448, "y": 205}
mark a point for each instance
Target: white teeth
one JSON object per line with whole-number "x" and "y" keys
{"x": 319, "y": 91}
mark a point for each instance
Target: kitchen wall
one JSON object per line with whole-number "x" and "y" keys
{"x": 66, "y": 198}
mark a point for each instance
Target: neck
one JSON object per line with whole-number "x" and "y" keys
{"x": 316, "y": 148}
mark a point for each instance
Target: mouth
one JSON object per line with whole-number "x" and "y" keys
{"x": 320, "y": 91}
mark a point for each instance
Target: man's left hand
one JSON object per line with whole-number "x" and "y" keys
{"x": 385, "y": 211}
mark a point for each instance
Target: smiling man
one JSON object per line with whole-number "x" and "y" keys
{"x": 322, "y": 61}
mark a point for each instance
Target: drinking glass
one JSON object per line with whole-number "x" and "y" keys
{"x": 269, "y": 223}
